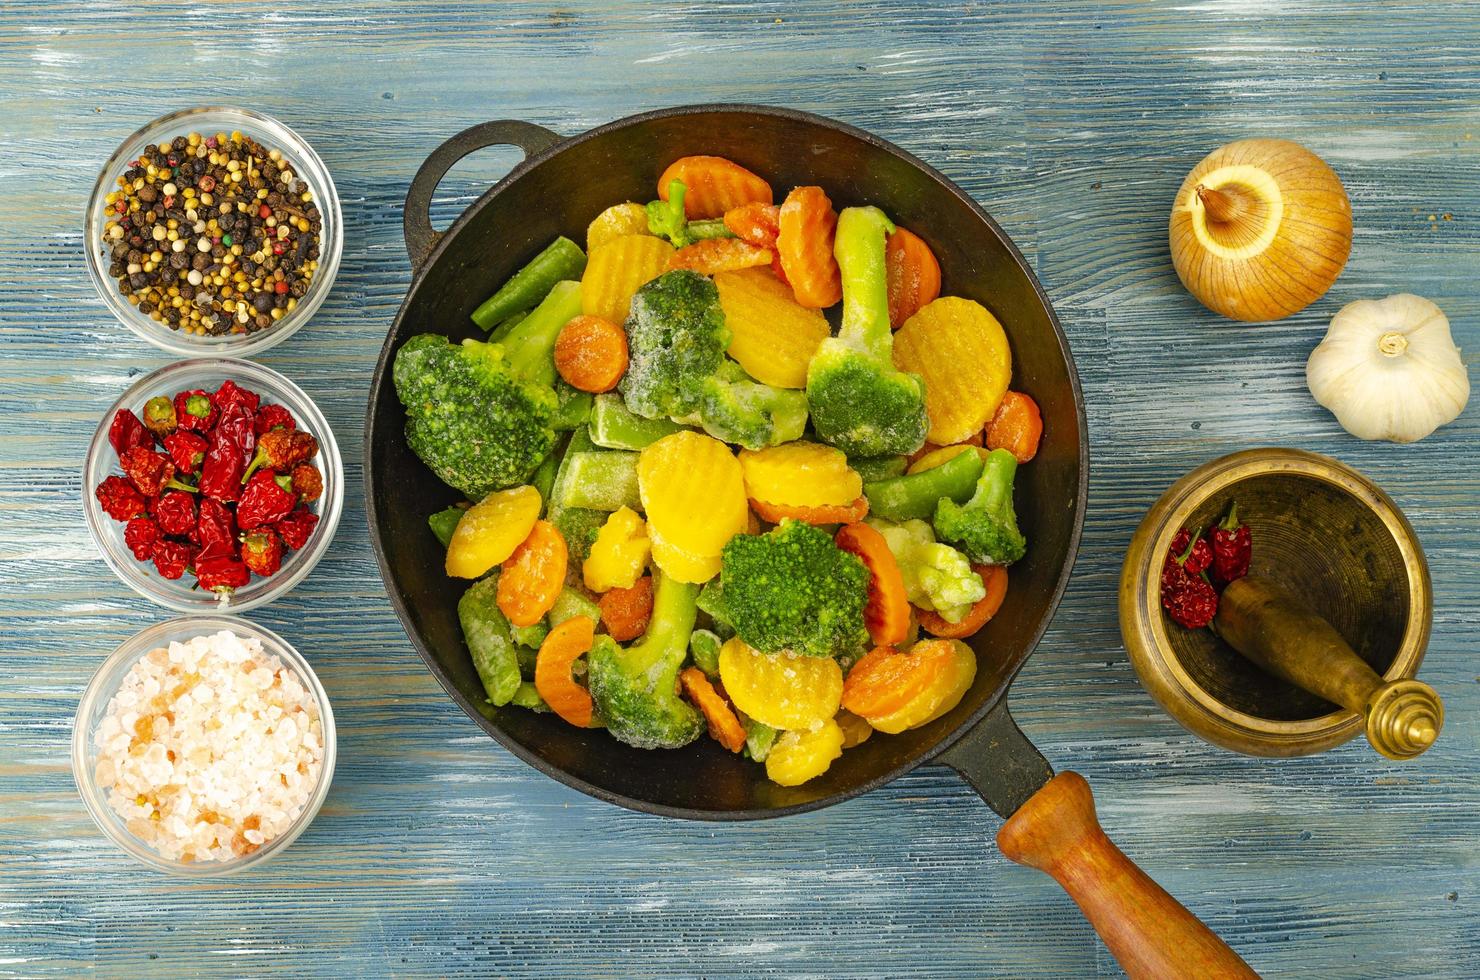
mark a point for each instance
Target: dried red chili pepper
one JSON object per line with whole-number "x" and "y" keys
{"x": 139, "y": 536}
{"x": 263, "y": 501}
{"x": 273, "y": 417}
{"x": 221, "y": 574}
{"x": 126, "y": 432}
{"x": 1199, "y": 557}
{"x": 171, "y": 558}
{"x": 151, "y": 472}
{"x": 232, "y": 395}
{"x": 1187, "y": 597}
{"x": 1233, "y": 547}
{"x": 194, "y": 411}
{"x": 159, "y": 416}
{"x": 283, "y": 449}
{"x": 231, "y": 443}
{"x": 308, "y": 482}
{"x": 262, "y": 551}
{"x": 215, "y": 530}
{"x": 187, "y": 450}
{"x": 175, "y": 513}
{"x": 119, "y": 499}
{"x": 297, "y": 528}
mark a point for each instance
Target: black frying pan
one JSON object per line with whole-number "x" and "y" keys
{"x": 559, "y": 187}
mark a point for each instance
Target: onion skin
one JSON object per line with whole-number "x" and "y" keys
{"x": 1260, "y": 229}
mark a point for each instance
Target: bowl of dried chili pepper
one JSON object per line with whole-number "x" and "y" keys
{"x": 214, "y": 231}
{"x": 213, "y": 484}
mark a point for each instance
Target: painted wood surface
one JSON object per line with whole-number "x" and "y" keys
{"x": 437, "y": 852}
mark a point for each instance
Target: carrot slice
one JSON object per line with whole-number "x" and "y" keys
{"x": 591, "y": 353}
{"x": 714, "y": 185}
{"x": 994, "y": 577}
{"x": 886, "y": 680}
{"x": 724, "y": 726}
{"x": 533, "y": 575}
{"x": 756, "y": 223}
{"x": 1017, "y": 426}
{"x": 827, "y": 514}
{"x": 913, "y": 273}
{"x": 626, "y": 611}
{"x": 805, "y": 246}
{"x": 887, "y": 612}
{"x": 712, "y": 255}
{"x": 562, "y": 647}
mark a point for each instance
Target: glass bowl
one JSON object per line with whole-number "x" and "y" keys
{"x": 209, "y": 120}
{"x": 94, "y": 706}
{"x": 179, "y": 594}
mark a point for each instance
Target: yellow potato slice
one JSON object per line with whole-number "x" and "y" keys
{"x": 771, "y": 334}
{"x": 783, "y": 690}
{"x": 617, "y": 269}
{"x": 961, "y": 351}
{"x": 800, "y": 474}
{"x": 490, "y": 531}
{"x": 799, "y": 756}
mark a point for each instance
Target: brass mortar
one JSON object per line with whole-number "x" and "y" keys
{"x": 1333, "y": 624}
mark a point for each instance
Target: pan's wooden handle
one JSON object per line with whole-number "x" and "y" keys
{"x": 1147, "y": 930}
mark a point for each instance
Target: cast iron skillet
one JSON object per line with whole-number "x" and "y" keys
{"x": 559, "y": 187}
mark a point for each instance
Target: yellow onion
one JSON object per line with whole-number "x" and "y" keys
{"x": 1260, "y": 229}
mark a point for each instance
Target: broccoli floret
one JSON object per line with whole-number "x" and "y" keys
{"x": 737, "y": 408}
{"x": 676, "y": 339}
{"x": 480, "y": 415}
{"x": 936, "y": 576}
{"x": 794, "y": 589}
{"x": 985, "y": 527}
{"x": 859, "y": 402}
{"x": 636, "y": 688}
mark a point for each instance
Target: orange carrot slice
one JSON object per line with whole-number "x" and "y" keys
{"x": 887, "y": 612}
{"x": 591, "y": 353}
{"x": 724, "y": 726}
{"x": 913, "y": 272}
{"x": 804, "y": 244}
{"x": 886, "y": 680}
{"x": 994, "y": 577}
{"x": 713, "y": 255}
{"x": 563, "y": 646}
{"x": 533, "y": 575}
{"x": 756, "y": 223}
{"x": 1017, "y": 426}
{"x": 714, "y": 185}
{"x": 626, "y": 611}
{"x": 846, "y": 514}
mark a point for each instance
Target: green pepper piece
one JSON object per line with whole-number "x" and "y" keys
{"x": 613, "y": 426}
{"x": 601, "y": 481}
{"x": 525, "y": 696}
{"x": 572, "y": 602}
{"x": 444, "y": 522}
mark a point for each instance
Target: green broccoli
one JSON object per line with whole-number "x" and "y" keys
{"x": 859, "y": 402}
{"x": 794, "y": 589}
{"x": 636, "y": 688}
{"x": 480, "y": 415}
{"x": 936, "y": 576}
{"x": 676, "y": 338}
{"x": 985, "y": 527}
{"x": 667, "y": 219}
{"x": 737, "y": 408}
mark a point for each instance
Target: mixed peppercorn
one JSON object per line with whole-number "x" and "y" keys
{"x": 212, "y": 235}
{"x": 214, "y": 483}
{"x": 1196, "y": 568}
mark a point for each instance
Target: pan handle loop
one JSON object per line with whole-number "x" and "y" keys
{"x": 416, "y": 216}
{"x": 1051, "y": 825}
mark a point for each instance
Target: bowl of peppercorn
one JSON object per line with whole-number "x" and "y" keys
{"x": 214, "y": 231}
{"x": 213, "y": 484}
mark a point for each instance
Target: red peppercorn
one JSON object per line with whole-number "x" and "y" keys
{"x": 119, "y": 499}
{"x": 140, "y": 534}
{"x": 224, "y": 575}
{"x": 121, "y": 207}
{"x": 278, "y": 248}
{"x": 297, "y": 527}
{"x": 207, "y": 183}
{"x": 264, "y": 212}
{"x": 126, "y": 432}
{"x": 262, "y": 551}
{"x": 280, "y": 287}
{"x": 273, "y": 417}
{"x": 171, "y": 558}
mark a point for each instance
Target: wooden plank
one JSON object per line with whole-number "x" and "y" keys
{"x": 437, "y": 852}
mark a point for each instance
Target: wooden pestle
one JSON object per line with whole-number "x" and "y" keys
{"x": 1293, "y": 642}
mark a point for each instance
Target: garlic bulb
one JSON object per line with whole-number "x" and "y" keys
{"x": 1261, "y": 228}
{"x": 1388, "y": 369}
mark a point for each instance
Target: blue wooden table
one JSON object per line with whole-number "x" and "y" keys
{"x": 437, "y": 852}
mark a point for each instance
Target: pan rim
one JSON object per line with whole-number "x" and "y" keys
{"x": 947, "y": 741}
